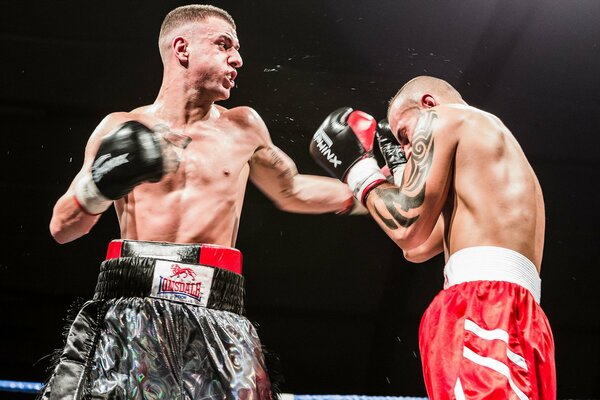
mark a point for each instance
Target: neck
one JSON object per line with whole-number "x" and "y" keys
{"x": 180, "y": 102}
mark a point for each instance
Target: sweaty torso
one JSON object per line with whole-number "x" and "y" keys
{"x": 202, "y": 201}
{"x": 495, "y": 198}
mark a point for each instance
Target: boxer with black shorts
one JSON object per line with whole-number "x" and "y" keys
{"x": 460, "y": 184}
{"x": 166, "y": 320}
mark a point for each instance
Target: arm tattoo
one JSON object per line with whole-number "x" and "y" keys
{"x": 286, "y": 172}
{"x": 278, "y": 163}
{"x": 411, "y": 193}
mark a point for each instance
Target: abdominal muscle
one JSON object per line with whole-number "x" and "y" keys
{"x": 188, "y": 213}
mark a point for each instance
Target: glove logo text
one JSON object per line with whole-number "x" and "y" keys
{"x": 324, "y": 145}
{"x": 105, "y": 164}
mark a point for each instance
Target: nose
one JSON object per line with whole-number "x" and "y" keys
{"x": 235, "y": 59}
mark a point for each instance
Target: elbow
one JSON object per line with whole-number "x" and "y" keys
{"x": 283, "y": 205}
{"x": 55, "y": 231}
{"x": 58, "y": 237}
{"x": 58, "y": 234}
{"x": 411, "y": 256}
{"x": 407, "y": 239}
{"x": 61, "y": 234}
{"x": 289, "y": 204}
{"x": 415, "y": 257}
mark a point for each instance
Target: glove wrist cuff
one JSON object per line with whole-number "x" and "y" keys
{"x": 88, "y": 196}
{"x": 398, "y": 173}
{"x": 363, "y": 177}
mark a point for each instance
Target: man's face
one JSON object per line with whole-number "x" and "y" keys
{"x": 214, "y": 56}
{"x": 403, "y": 120}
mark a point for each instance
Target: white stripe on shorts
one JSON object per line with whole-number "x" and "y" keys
{"x": 498, "y": 366}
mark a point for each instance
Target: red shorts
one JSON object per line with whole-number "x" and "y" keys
{"x": 488, "y": 339}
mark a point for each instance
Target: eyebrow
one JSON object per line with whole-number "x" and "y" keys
{"x": 230, "y": 39}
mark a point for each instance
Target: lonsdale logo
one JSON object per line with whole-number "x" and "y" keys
{"x": 191, "y": 289}
{"x": 324, "y": 145}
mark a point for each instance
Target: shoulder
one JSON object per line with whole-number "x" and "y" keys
{"x": 456, "y": 120}
{"x": 473, "y": 130}
{"x": 242, "y": 115}
{"x": 247, "y": 119}
{"x": 459, "y": 115}
{"x": 111, "y": 121}
{"x": 109, "y": 124}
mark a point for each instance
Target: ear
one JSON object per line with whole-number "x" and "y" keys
{"x": 180, "y": 45}
{"x": 428, "y": 101}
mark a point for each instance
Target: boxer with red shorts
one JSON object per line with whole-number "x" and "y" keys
{"x": 485, "y": 335}
{"x": 457, "y": 183}
{"x": 166, "y": 319}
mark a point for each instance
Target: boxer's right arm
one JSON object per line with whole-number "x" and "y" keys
{"x": 113, "y": 164}
{"x": 69, "y": 221}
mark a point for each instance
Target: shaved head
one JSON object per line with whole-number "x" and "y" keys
{"x": 411, "y": 93}
{"x": 184, "y": 15}
{"x": 192, "y": 13}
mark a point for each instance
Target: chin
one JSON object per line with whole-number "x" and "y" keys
{"x": 224, "y": 95}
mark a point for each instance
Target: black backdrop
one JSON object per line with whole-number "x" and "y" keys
{"x": 332, "y": 296}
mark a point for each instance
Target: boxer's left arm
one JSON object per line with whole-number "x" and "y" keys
{"x": 409, "y": 212}
{"x": 395, "y": 159}
{"x": 433, "y": 246}
{"x": 276, "y": 175}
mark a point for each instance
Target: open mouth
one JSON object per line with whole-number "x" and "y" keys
{"x": 230, "y": 79}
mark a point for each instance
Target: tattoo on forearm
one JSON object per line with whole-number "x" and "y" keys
{"x": 392, "y": 197}
{"x": 411, "y": 193}
{"x": 286, "y": 172}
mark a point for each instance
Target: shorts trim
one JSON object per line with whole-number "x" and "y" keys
{"x": 489, "y": 263}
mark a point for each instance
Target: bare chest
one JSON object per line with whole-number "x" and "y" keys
{"x": 214, "y": 157}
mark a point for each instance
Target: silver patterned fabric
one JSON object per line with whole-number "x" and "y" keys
{"x": 139, "y": 347}
{"x": 155, "y": 349}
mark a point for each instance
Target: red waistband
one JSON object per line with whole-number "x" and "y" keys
{"x": 206, "y": 254}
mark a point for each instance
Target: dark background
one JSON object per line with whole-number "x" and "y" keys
{"x": 333, "y": 296}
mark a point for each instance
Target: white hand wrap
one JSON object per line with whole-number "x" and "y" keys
{"x": 364, "y": 176}
{"x": 89, "y": 197}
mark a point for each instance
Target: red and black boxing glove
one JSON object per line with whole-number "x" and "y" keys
{"x": 343, "y": 146}
{"x": 391, "y": 150}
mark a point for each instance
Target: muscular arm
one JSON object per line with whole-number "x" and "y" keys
{"x": 408, "y": 213}
{"x": 69, "y": 221}
{"x": 433, "y": 246}
{"x": 275, "y": 174}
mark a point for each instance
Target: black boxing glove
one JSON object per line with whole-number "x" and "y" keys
{"x": 131, "y": 155}
{"x": 343, "y": 146}
{"x": 392, "y": 152}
